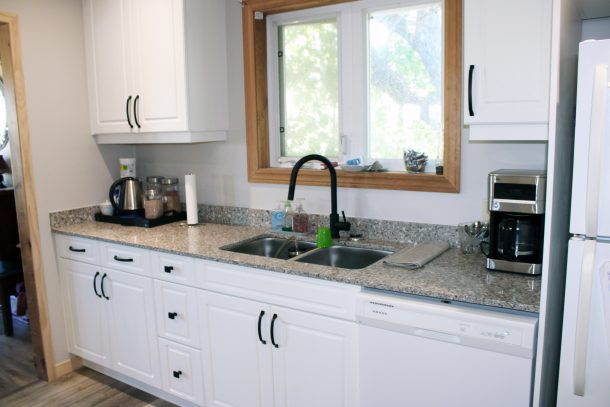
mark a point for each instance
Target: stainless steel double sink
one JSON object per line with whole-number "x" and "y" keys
{"x": 306, "y": 252}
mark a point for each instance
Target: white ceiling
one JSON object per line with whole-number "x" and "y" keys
{"x": 594, "y": 8}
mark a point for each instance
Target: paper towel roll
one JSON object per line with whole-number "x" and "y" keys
{"x": 190, "y": 188}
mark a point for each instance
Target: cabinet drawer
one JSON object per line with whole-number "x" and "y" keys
{"x": 176, "y": 308}
{"x": 170, "y": 267}
{"x": 181, "y": 371}
{"x": 126, "y": 258}
{"x": 302, "y": 293}
{"x": 77, "y": 248}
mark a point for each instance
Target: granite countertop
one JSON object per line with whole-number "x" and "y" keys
{"x": 452, "y": 276}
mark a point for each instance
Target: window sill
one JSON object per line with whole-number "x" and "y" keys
{"x": 370, "y": 180}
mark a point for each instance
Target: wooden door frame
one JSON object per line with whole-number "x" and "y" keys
{"x": 25, "y": 199}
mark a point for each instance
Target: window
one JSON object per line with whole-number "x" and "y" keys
{"x": 365, "y": 78}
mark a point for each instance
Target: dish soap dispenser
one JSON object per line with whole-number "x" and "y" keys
{"x": 300, "y": 219}
{"x": 277, "y": 217}
{"x": 288, "y": 213}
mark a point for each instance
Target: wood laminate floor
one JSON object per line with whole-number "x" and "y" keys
{"x": 19, "y": 386}
{"x": 16, "y": 361}
{"x": 83, "y": 388}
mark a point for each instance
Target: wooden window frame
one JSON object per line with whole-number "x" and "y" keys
{"x": 257, "y": 129}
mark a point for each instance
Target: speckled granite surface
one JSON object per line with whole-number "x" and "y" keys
{"x": 394, "y": 231}
{"x": 452, "y": 276}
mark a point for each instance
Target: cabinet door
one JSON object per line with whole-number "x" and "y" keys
{"x": 158, "y": 34}
{"x": 85, "y": 311}
{"x": 181, "y": 371}
{"x": 176, "y": 310}
{"x": 506, "y": 61}
{"x": 108, "y": 50}
{"x": 237, "y": 365}
{"x": 132, "y": 325}
{"x": 315, "y": 363}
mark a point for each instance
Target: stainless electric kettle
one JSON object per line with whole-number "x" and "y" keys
{"x": 129, "y": 199}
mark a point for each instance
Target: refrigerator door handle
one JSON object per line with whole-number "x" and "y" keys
{"x": 583, "y": 317}
{"x": 598, "y": 122}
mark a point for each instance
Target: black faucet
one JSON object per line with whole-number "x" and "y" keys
{"x": 335, "y": 224}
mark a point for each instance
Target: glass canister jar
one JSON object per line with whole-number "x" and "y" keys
{"x": 153, "y": 203}
{"x": 154, "y": 182}
{"x": 171, "y": 195}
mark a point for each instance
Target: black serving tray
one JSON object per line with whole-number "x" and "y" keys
{"x": 140, "y": 221}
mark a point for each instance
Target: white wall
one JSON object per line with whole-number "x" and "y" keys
{"x": 596, "y": 29}
{"x": 222, "y": 173}
{"x": 70, "y": 170}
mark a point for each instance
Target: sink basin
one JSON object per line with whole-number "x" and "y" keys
{"x": 276, "y": 247}
{"x": 344, "y": 257}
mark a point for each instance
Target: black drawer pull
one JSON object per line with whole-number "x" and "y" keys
{"x": 97, "y": 274}
{"x": 177, "y": 373}
{"x": 172, "y": 315}
{"x": 470, "y": 73}
{"x": 102, "y": 286}
{"x": 260, "y": 337}
{"x": 72, "y": 249}
{"x": 117, "y": 258}
{"x": 168, "y": 269}
{"x": 272, "y": 337}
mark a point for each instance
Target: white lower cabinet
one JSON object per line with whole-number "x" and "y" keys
{"x": 111, "y": 320}
{"x": 86, "y": 311}
{"x": 181, "y": 371}
{"x": 257, "y": 354}
{"x": 131, "y": 325}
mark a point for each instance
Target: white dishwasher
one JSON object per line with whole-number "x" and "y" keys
{"x": 416, "y": 351}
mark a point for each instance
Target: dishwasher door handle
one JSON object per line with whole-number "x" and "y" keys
{"x": 439, "y": 336}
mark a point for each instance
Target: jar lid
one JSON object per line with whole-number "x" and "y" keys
{"x": 169, "y": 181}
{"x": 154, "y": 179}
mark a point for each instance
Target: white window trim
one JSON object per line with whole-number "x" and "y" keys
{"x": 353, "y": 69}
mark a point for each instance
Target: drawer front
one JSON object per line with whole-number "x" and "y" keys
{"x": 302, "y": 293}
{"x": 176, "y": 308}
{"x": 181, "y": 371}
{"x": 130, "y": 259}
{"x": 78, "y": 248}
{"x": 173, "y": 268}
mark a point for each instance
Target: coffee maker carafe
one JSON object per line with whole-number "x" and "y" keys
{"x": 516, "y": 223}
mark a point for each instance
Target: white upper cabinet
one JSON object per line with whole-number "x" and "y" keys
{"x": 507, "y": 46}
{"x": 156, "y": 70}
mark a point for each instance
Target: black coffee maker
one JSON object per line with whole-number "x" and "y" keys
{"x": 516, "y": 223}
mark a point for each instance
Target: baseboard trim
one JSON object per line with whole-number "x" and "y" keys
{"x": 67, "y": 366}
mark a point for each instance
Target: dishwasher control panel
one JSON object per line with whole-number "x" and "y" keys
{"x": 468, "y": 326}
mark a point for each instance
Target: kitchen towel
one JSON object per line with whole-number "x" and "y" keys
{"x": 415, "y": 257}
{"x": 190, "y": 188}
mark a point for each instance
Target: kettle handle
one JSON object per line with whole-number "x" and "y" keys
{"x": 111, "y": 198}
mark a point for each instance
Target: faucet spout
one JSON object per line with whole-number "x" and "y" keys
{"x": 335, "y": 224}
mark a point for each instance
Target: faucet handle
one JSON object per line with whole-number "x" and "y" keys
{"x": 345, "y": 225}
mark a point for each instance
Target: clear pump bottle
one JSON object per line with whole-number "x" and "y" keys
{"x": 288, "y": 214}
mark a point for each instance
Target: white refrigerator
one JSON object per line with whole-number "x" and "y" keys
{"x": 584, "y": 371}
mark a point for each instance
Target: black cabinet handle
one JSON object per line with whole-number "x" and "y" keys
{"x": 172, "y": 315}
{"x": 117, "y": 258}
{"x": 272, "y": 337}
{"x": 260, "y": 337}
{"x": 470, "y": 74}
{"x": 127, "y": 108}
{"x": 102, "y": 286}
{"x": 168, "y": 269}
{"x": 72, "y": 249}
{"x": 177, "y": 373}
{"x": 97, "y": 274}
{"x": 135, "y": 110}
